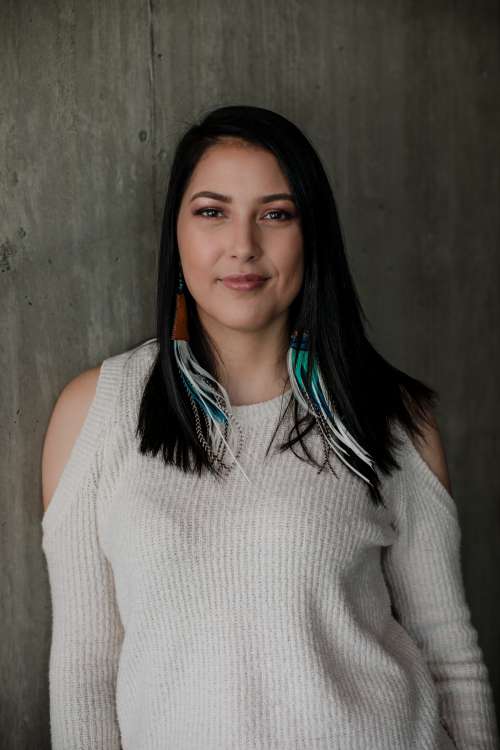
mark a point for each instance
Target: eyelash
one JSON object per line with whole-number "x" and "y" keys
{"x": 288, "y": 215}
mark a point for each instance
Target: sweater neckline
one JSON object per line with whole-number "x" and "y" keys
{"x": 255, "y": 413}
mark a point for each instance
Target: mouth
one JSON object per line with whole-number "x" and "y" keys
{"x": 244, "y": 282}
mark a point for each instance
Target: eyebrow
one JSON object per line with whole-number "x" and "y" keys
{"x": 227, "y": 199}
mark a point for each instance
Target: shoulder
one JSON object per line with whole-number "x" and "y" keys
{"x": 421, "y": 484}
{"x": 431, "y": 448}
{"x": 84, "y": 406}
{"x": 65, "y": 423}
{"x": 424, "y": 454}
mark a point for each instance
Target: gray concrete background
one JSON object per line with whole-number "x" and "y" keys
{"x": 401, "y": 100}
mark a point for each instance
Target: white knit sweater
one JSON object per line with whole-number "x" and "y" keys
{"x": 194, "y": 615}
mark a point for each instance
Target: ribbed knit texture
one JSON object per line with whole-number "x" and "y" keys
{"x": 288, "y": 614}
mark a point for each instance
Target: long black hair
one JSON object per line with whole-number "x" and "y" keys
{"x": 367, "y": 390}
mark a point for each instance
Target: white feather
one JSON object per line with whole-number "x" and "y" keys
{"x": 193, "y": 371}
{"x": 337, "y": 427}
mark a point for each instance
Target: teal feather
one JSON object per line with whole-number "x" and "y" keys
{"x": 329, "y": 422}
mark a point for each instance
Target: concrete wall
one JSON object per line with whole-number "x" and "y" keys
{"x": 401, "y": 100}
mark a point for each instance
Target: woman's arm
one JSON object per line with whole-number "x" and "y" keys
{"x": 424, "y": 576}
{"x": 87, "y": 631}
{"x": 65, "y": 424}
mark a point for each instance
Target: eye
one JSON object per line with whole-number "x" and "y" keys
{"x": 201, "y": 212}
{"x": 286, "y": 214}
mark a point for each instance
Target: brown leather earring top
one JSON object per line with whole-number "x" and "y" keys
{"x": 180, "y": 327}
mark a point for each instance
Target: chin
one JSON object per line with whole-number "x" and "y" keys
{"x": 244, "y": 326}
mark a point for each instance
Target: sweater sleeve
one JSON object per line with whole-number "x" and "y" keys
{"x": 423, "y": 572}
{"x": 86, "y": 626}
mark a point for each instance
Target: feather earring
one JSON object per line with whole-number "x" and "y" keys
{"x": 207, "y": 396}
{"x": 316, "y": 402}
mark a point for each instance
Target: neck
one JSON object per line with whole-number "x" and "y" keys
{"x": 251, "y": 365}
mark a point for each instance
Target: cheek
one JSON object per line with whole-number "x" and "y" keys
{"x": 292, "y": 271}
{"x": 199, "y": 279}
{"x": 197, "y": 257}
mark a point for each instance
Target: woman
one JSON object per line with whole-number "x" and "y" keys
{"x": 214, "y": 586}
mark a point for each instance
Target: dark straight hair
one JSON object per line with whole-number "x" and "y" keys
{"x": 368, "y": 391}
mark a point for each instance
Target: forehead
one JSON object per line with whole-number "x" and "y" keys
{"x": 238, "y": 160}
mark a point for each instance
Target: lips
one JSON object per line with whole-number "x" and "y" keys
{"x": 244, "y": 277}
{"x": 244, "y": 281}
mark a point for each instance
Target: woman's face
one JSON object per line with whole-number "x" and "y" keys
{"x": 239, "y": 234}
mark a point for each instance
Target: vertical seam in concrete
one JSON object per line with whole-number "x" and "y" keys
{"x": 152, "y": 117}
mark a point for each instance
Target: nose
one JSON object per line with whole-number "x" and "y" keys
{"x": 244, "y": 240}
